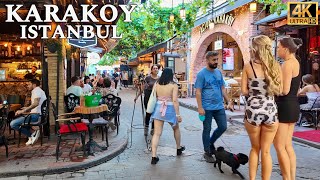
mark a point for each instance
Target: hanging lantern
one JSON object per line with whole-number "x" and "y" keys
{"x": 182, "y": 13}
{"x": 211, "y": 25}
{"x": 171, "y": 18}
{"x": 253, "y": 7}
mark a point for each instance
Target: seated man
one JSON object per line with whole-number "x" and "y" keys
{"x": 75, "y": 87}
{"x": 37, "y": 98}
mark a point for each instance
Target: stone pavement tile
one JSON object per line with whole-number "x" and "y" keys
{"x": 16, "y": 178}
{"x": 77, "y": 174}
{"x": 64, "y": 175}
{"x": 94, "y": 173}
{"x": 35, "y": 177}
{"x": 109, "y": 175}
{"x": 52, "y": 176}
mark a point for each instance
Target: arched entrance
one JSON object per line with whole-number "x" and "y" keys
{"x": 239, "y": 39}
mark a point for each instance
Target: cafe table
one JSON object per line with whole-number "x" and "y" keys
{"x": 12, "y": 107}
{"x": 90, "y": 112}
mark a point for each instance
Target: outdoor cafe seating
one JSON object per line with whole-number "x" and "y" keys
{"x": 311, "y": 111}
{"x": 70, "y": 126}
{"x": 43, "y": 120}
{"x": 4, "y": 110}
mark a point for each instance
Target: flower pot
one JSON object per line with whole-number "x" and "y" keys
{"x": 52, "y": 47}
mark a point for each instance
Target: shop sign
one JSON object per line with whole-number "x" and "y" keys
{"x": 222, "y": 19}
{"x": 218, "y": 45}
{"x": 82, "y": 42}
{"x": 302, "y": 13}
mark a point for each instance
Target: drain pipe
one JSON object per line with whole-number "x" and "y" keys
{"x": 58, "y": 83}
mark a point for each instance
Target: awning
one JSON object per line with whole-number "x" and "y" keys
{"x": 275, "y": 17}
{"x": 153, "y": 48}
{"x": 221, "y": 10}
{"x": 272, "y": 18}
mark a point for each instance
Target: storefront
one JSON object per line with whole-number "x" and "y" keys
{"x": 309, "y": 53}
{"x": 227, "y": 31}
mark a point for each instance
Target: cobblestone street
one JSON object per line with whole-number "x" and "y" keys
{"x": 134, "y": 162}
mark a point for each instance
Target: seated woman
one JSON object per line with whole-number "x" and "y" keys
{"x": 309, "y": 85}
{"x": 311, "y": 91}
{"x": 108, "y": 87}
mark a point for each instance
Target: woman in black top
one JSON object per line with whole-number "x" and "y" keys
{"x": 288, "y": 106}
{"x": 147, "y": 86}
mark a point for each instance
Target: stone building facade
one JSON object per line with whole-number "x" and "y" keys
{"x": 241, "y": 31}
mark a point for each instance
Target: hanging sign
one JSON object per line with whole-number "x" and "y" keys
{"x": 82, "y": 42}
{"x": 222, "y": 19}
{"x": 218, "y": 45}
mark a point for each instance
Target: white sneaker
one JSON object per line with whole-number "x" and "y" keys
{"x": 34, "y": 133}
{"x": 35, "y": 138}
{"x": 29, "y": 142}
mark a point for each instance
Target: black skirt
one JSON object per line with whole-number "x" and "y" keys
{"x": 288, "y": 110}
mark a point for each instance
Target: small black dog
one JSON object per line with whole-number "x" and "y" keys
{"x": 232, "y": 160}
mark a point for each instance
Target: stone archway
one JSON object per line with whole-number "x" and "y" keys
{"x": 198, "y": 52}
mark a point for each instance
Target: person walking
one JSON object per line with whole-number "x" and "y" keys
{"x": 166, "y": 110}
{"x": 288, "y": 106}
{"x": 116, "y": 78}
{"x": 125, "y": 78}
{"x": 147, "y": 86}
{"x": 261, "y": 80}
{"x": 210, "y": 91}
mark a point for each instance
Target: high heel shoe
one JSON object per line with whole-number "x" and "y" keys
{"x": 179, "y": 151}
{"x": 154, "y": 160}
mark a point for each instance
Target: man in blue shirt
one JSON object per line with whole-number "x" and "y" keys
{"x": 210, "y": 91}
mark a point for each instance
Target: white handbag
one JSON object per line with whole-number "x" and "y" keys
{"x": 152, "y": 100}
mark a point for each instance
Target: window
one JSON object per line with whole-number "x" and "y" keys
{"x": 170, "y": 63}
{"x": 158, "y": 58}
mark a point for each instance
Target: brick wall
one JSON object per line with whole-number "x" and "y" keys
{"x": 52, "y": 82}
{"x": 241, "y": 31}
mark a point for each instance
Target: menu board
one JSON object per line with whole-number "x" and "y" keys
{"x": 228, "y": 59}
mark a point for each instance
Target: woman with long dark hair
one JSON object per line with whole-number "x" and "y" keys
{"x": 147, "y": 86}
{"x": 166, "y": 110}
{"x": 288, "y": 106}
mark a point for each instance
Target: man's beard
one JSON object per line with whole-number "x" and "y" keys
{"x": 213, "y": 66}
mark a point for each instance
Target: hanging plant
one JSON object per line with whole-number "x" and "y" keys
{"x": 52, "y": 45}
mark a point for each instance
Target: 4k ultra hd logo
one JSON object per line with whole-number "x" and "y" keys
{"x": 302, "y": 13}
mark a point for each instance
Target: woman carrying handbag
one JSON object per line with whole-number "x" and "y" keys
{"x": 147, "y": 86}
{"x": 166, "y": 109}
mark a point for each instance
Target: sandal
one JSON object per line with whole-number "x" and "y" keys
{"x": 179, "y": 151}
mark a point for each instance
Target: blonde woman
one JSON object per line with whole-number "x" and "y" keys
{"x": 261, "y": 80}
{"x": 288, "y": 106}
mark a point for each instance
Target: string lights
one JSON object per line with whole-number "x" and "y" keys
{"x": 171, "y": 19}
{"x": 183, "y": 11}
{"x": 211, "y": 24}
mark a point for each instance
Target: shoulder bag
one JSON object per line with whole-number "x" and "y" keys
{"x": 152, "y": 100}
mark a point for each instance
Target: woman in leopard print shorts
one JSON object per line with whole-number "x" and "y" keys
{"x": 261, "y": 80}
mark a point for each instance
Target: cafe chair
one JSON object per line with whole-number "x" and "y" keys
{"x": 70, "y": 102}
{"x": 234, "y": 93}
{"x": 70, "y": 126}
{"x": 312, "y": 112}
{"x": 43, "y": 120}
{"x": 113, "y": 102}
{"x": 3, "y": 122}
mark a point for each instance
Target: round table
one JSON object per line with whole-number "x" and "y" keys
{"x": 91, "y": 111}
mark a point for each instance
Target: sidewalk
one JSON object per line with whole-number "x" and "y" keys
{"x": 41, "y": 160}
{"x": 238, "y": 115}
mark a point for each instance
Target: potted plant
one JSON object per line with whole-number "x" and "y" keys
{"x": 52, "y": 45}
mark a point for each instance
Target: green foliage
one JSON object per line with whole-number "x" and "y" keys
{"x": 276, "y": 6}
{"x": 150, "y": 25}
{"x": 54, "y": 45}
{"x": 107, "y": 60}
